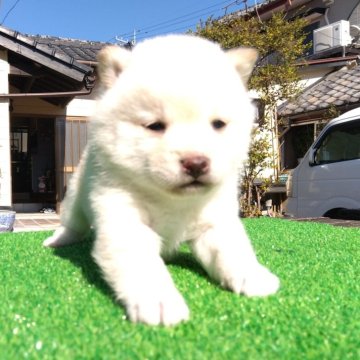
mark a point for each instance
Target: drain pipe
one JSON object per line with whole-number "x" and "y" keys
{"x": 326, "y": 16}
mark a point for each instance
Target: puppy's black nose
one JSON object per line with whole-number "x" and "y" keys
{"x": 195, "y": 165}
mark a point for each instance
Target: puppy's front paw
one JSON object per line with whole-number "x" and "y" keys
{"x": 256, "y": 280}
{"x": 167, "y": 308}
{"x": 260, "y": 282}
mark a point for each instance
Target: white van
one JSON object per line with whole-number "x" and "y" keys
{"x": 327, "y": 180}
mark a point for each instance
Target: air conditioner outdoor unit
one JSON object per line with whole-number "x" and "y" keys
{"x": 333, "y": 35}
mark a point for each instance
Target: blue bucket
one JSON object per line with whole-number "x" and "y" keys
{"x": 7, "y": 220}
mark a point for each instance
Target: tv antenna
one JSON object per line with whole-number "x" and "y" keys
{"x": 127, "y": 43}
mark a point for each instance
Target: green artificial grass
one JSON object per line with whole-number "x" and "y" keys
{"x": 55, "y": 305}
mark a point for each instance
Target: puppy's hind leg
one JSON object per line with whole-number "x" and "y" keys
{"x": 62, "y": 236}
{"x": 74, "y": 223}
{"x": 73, "y": 229}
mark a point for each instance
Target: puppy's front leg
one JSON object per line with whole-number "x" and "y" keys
{"x": 227, "y": 255}
{"x": 128, "y": 253}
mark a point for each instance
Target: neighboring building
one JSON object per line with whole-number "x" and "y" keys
{"x": 46, "y": 97}
{"x": 329, "y": 71}
{"x": 334, "y": 94}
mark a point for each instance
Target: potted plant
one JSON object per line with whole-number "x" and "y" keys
{"x": 7, "y": 216}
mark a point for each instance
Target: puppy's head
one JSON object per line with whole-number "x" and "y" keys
{"x": 174, "y": 114}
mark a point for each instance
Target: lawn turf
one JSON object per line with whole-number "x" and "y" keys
{"x": 55, "y": 305}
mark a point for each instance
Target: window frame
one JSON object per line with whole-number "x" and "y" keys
{"x": 324, "y": 136}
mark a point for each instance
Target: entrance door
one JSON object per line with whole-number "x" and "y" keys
{"x": 33, "y": 161}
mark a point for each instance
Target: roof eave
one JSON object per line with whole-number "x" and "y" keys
{"x": 20, "y": 44}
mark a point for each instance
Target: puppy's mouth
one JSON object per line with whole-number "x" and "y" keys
{"x": 194, "y": 186}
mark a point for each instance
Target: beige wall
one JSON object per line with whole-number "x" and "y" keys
{"x": 38, "y": 107}
{"x": 80, "y": 108}
{"x": 34, "y": 106}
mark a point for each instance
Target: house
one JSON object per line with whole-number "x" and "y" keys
{"x": 329, "y": 71}
{"x": 329, "y": 74}
{"x": 46, "y": 95}
{"x": 47, "y": 88}
{"x": 335, "y": 93}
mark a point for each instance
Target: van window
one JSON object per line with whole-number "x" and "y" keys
{"x": 340, "y": 143}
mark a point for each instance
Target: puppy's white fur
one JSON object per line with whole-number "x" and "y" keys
{"x": 170, "y": 132}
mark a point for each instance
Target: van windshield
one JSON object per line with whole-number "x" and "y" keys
{"x": 340, "y": 143}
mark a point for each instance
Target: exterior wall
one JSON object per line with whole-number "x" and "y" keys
{"x": 34, "y": 106}
{"x": 80, "y": 107}
{"x": 340, "y": 10}
{"x": 310, "y": 75}
{"x": 5, "y": 164}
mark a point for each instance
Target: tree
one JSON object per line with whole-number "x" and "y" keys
{"x": 280, "y": 44}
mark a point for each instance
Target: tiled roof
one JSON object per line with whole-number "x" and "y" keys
{"x": 77, "y": 49}
{"x": 57, "y": 47}
{"x": 339, "y": 88}
{"x": 46, "y": 65}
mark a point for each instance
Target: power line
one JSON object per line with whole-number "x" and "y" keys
{"x": 175, "y": 21}
{"x": 176, "y": 18}
{"x": 159, "y": 27}
{"x": 187, "y": 27}
{"x": 9, "y": 11}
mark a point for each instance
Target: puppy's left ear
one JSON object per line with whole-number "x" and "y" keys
{"x": 112, "y": 60}
{"x": 244, "y": 60}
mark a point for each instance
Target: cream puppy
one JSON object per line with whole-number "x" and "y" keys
{"x": 170, "y": 132}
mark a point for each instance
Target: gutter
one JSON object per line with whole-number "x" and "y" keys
{"x": 89, "y": 85}
{"x": 317, "y": 114}
{"x": 47, "y": 95}
{"x": 265, "y": 10}
{"x": 90, "y": 63}
{"x": 338, "y": 61}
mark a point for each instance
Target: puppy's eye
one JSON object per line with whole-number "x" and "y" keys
{"x": 157, "y": 126}
{"x": 218, "y": 124}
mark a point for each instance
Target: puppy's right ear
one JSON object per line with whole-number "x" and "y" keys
{"x": 112, "y": 60}
{"x": 243, "y": 59}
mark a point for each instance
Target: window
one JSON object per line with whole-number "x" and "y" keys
{"x": 259, "y": 111}
{"x": 340, "y": 143}
{"x": 19, "y": 141}
{"x": 309, "y": 35}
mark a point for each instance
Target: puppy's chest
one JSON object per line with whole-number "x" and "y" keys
{"x": 169, "y": 224}
{"x": 174, "y": 225}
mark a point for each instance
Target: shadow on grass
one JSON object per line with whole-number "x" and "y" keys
{"x": 185, "y": 260}
{"x": 80, "y": 255}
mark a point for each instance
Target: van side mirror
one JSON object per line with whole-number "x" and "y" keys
{"x": 312, "y": 155}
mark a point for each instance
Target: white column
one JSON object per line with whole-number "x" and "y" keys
{"x": 5, "y": 162}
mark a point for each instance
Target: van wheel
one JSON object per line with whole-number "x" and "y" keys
{"x": 344, "y": 214}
